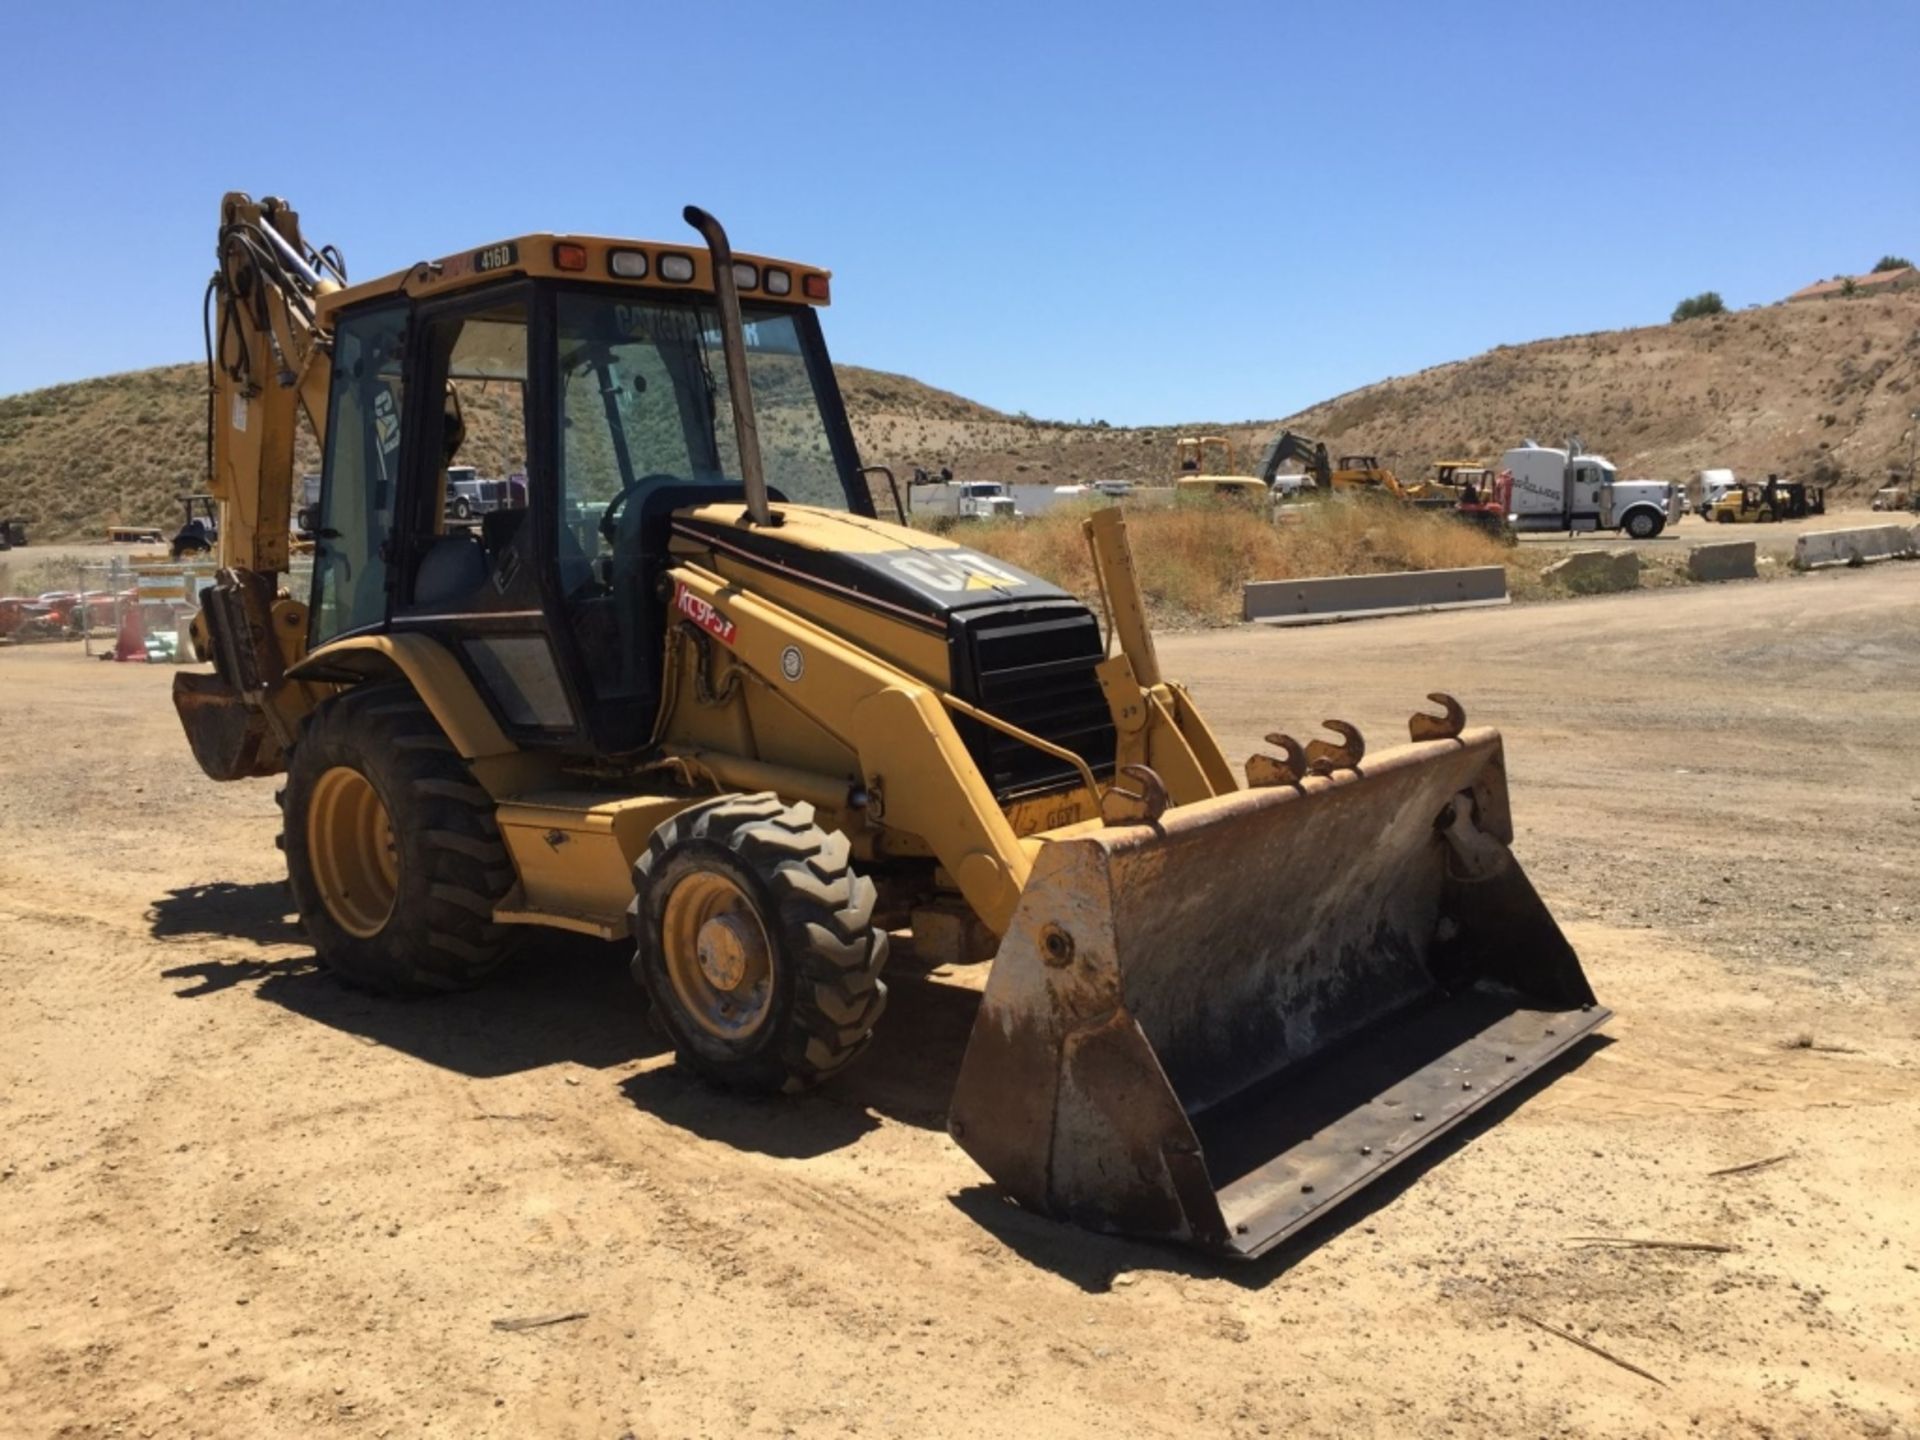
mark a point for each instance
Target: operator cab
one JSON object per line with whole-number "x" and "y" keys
{"x": 595, "y": 370}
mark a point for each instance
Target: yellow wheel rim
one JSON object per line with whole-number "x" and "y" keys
{"x": 719, "y": 961}
{"x": 351, "y": 848}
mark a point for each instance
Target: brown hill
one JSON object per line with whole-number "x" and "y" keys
{"x": 1816, "y": 390}
{"x": 1820, "y": 390}
{"x": 76, "y": 458}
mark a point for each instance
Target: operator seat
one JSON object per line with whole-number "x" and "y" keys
{"x": 631, "y": 688}
{"x": 454, "y": 567}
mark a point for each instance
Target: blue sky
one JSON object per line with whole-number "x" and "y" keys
{"x": 1142, "y": 213}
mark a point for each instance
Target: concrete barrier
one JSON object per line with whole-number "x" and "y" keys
{"x": 1353, "y": 597}
{"x": 1818, "y": 549}
{"x": 1595, "y": 572}
{"x": 1724, "y": 560}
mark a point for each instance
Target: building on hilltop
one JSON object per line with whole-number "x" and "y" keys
{"x": 1882, "y": 282}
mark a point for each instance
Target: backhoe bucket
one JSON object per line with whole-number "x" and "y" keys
{"x": 1215, "y": 1027}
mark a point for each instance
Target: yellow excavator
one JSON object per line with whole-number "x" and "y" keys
{"x": 689, "y": 689}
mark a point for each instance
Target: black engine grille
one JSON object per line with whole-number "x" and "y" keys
{"x": 1032, "y": 666}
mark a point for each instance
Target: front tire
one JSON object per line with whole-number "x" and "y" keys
{"x": 462, "y": 509}
{"x": 755, "y": 942}
{"x": 1642, "y": 526}
{"x": 393, "y": 852}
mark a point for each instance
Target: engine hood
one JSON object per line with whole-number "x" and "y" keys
{"x": 889, "y": 566}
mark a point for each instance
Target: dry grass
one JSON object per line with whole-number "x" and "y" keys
{"x": 1192, "y": 558}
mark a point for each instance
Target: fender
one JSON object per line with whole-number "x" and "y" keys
{"x": 436, "y": 678}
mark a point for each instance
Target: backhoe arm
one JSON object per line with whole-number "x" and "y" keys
{"x": 1289, "y": 446}
{"x": 266, "y": 361}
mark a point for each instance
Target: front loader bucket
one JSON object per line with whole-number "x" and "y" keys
{"x": 1215, "y": 1027}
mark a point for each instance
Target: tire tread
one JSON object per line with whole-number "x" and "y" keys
{"x": 824, "y": 913}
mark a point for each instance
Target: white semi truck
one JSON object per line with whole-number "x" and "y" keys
{"x": 964, "y": 499}
{"x": 1566, "y": 490}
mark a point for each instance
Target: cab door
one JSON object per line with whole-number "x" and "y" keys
{"x": 471, "y": 576}
{"x": 359, "y": 483}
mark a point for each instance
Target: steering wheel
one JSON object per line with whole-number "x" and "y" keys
{"x": 610, "y": 517}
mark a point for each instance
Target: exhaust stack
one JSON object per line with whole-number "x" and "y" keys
{"x": 734, "y": 341}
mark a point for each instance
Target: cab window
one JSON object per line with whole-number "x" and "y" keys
{"x": 359, "y": 482}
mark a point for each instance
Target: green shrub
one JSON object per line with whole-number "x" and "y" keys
{"x": 1892, "y": 262}
{"x": 1707, "y": 302}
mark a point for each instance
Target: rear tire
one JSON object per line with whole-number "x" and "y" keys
{"x": 393, "y": 852}
{"x": 755, "y": 942}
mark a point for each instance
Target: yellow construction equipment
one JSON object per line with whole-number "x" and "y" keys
{"x": 1191, "y": 477}
{"x": 1448, "y": 479}
{"x": 1744, "y": 504}
{"x": 1775, "y": 499}
{"x": 1349, "y": 474}
{"x": 691, "y": 690}
{"x": 1365, "y": 473}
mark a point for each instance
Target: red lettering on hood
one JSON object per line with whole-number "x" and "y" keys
{"x": 702, "y": 613}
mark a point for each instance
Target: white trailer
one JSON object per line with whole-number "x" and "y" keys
{"x": 1712, "y": 484}
{"x": 1566, "y": 490}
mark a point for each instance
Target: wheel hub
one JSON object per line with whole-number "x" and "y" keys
{"x": 728, "y": 948}
{"x": 718, "y": 958}
{"x": 352, "y": 851}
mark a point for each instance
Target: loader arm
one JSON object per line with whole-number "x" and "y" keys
{"x": 912, "y": 759}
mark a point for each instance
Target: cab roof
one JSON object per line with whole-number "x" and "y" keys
{"x": 643, "y": 264}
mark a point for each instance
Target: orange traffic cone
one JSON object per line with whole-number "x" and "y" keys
{"x": 131, "y": 643}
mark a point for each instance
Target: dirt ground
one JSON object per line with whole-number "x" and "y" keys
{"x": 238, "y": 1200}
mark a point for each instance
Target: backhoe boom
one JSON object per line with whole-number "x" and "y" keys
{"x": 266, "y": 362}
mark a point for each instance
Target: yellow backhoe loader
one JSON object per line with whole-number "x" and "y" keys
{"x": 693, "y": 691}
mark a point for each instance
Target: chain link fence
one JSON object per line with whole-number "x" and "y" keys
{"x": 142, "y": 609}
